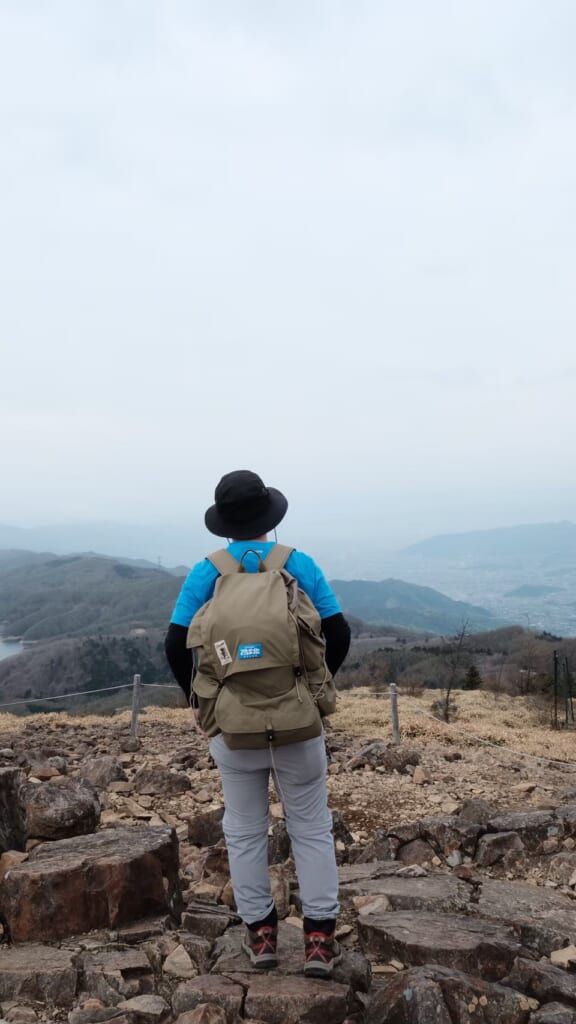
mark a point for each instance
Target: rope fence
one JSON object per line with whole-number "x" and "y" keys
{"x": 481, "y": 739}
{"x": 392, "y": 695}
{"x": 83, "y": 693}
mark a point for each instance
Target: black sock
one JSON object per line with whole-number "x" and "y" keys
{"x": 270, "y": 921}
{"x": 326, "y": 925}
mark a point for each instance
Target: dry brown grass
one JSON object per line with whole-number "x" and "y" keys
{"x": 513, "y": 722}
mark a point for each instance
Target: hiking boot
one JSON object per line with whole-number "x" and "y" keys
{"x": 261, "y": 946}
{"x": 322, "y": 953}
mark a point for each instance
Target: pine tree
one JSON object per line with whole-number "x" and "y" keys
{"x": 472, "y": 680}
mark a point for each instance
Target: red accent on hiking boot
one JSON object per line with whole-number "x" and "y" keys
{"x": 261, "y": 946}
{"x": 322, "y": 953}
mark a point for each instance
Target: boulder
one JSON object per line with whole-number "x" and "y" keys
{"x": 205, "y": 1013}
{"x": 60, "y": 810}
{"x": 39, "y": 974}
{"x": 12, "y": 821}
{"x": 156, "y": 781}
{"x": 208, "y": 920}
{"x": 553, "y": 1013}
{"x": 441, "y": 894}
{"x": 205, "y": 829}
{"x": 103, "y": 880}
{"x": 410, "y": 998}
{"x": 543, "y": 920}
{"x": 418, "y": 938}
{"x": 567, "y": 816}
{"x": 115, "y": 975}
{"x": 443, "y": 834}
{"x": 495, "y": 845}
{"x": 281, "y": 1000}
{"x": 437, "y": 995}
{"x": 179, "y": 964}
{"x": 380, "y": 848}
{"x": 562, "y": 866}
{"x": 416, "y": 852}
{"x": 207, "y": 988}
{"x": 145, "y": 1009}
{"x": 101, "y": 771}
{"x": 357, "y": 872}
{"x": 379, "y": 755}
{"x": 542, "y": 981}
{"x": 476, "y": 811}
{"x": 533, "y": 827}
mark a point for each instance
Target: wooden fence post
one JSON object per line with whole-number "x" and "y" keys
{"x": 394, "y": 707}
{"x": 135, "y": 706}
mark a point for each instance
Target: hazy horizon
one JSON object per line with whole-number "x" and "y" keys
{"x": 171, "y": 544}
{"x": 331, "y": 243}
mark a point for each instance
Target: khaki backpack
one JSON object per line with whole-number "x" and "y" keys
{"x": 261, "y": 674}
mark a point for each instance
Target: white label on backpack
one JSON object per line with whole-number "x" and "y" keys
{"x": 224, "y": 656}
{"x": 246, "y": 651}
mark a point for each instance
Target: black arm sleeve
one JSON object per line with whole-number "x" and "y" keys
{"x": 179, "y": 657}
{"x": 335, "y": 629}
{"x": 337, "y": 636}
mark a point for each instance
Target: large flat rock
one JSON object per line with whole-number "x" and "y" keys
{"x": 418, "y": 938}
{"x": 543, "y": 981}
{"x": 438, "y": 893}
{"x": 443, "y": 834}
{"x": 543, "y": 919}
{"x": 38, "y": 974}
{"x": 533, "y": 827}
{"x": 359, "y": 872}
{"x": 439, "y": 995}
{"x": 222, "y": 992}
{"x": 98, "y": 881}
{"x": 114, "y": 975}
{"x": 275, "y": 1000}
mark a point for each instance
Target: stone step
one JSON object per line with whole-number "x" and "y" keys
{"x": 440, "y": 995}
{"x": 98, "y": 881}
{"x": 467, "y": 944}
{"x": 38, "y": 974}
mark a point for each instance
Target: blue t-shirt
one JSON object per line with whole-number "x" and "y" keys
{"x": 198, "y": 587}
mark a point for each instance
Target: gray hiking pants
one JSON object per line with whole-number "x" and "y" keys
{"x": 299, "y": 771}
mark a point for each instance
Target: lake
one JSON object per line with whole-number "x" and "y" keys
{"x": 7, "y": 650}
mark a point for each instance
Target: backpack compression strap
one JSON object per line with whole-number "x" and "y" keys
{"x": 224, "y": 562}
{"x": 277, "y": 556}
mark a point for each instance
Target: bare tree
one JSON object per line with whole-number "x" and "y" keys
{"x": 456, "y": 659}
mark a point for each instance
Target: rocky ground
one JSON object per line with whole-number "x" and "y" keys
{"x": 457, "y": 863}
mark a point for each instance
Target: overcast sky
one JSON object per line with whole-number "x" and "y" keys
{"x": 333, "y": 242}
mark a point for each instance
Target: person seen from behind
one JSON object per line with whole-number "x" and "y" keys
{"x": 255, "y": 638}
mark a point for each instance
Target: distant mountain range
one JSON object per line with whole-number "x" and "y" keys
{"x": 43, "y": 597}
{"x": 93, "y": 621}
{"x": 412, "y": 606}
{"x": 541, "y": 541}
{"x": 172, "y": 545}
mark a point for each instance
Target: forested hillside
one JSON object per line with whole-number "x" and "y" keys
{"x": 82, "y": 595}
{"x": 406, "y": 604}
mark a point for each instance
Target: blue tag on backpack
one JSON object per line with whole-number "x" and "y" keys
{"x": 248, "y": 651}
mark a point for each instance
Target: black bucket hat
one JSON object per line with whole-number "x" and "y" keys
{"x": 244, "y": 507}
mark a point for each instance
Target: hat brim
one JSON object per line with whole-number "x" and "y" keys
{"x": 267, "y": 520}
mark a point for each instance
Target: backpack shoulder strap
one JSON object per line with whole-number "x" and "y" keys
{"x": 224, "y": 562}
{"x": 277, "y": 556}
